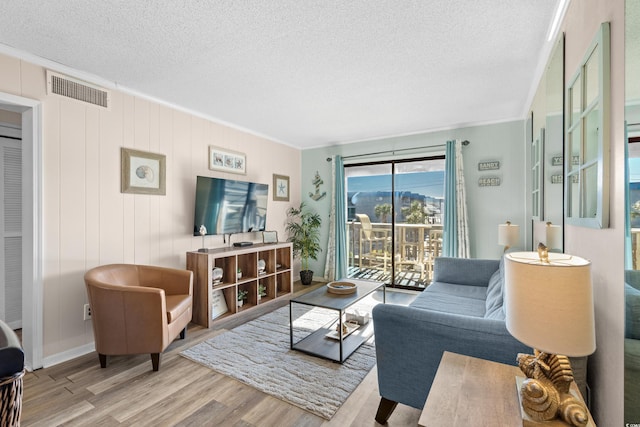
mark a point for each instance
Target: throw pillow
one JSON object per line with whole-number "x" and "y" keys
{"x": 493, "y": 303}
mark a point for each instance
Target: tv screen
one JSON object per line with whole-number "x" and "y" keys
{"x": 226, "y": 206}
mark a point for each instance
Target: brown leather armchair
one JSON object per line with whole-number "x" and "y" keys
{"x": 137, "y": 309}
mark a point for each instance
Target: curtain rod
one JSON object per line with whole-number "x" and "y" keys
{"x": 464, "y": 143}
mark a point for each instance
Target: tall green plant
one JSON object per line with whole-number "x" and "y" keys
{"x": 303, "y": 227}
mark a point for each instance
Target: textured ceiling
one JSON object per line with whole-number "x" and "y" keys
{"x": 306, "y": 73}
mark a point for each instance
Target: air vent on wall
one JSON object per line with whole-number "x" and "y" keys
{"x": 69, "y": 87}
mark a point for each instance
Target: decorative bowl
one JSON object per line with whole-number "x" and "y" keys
{"x": 216, "y": 275}
{"x": 341, "y": 288}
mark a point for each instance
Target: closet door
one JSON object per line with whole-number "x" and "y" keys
{"x": 11, "y": 232}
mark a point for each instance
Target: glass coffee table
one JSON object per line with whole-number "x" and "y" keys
{"x": 337, "y": 339}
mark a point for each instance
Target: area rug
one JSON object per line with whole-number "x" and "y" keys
{"x": 258, "y": 354}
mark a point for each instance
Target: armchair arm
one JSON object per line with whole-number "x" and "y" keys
{"x": 174, "y": 281}
{"x": 410, "y": 343}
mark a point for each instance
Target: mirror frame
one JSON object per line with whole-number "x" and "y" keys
{"x": 589, "y": 197}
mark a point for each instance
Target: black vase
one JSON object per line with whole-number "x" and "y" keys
{"x": 306, "y": 277}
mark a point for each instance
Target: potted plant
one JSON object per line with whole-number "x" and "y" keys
{"x": 262, "y": 291}
{"x": 239, "y": 274}
{"x": 303, "y": 227}
{"x": 242, "y": 294}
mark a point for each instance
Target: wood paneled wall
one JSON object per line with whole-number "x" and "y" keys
{"x": 88, "y": 222}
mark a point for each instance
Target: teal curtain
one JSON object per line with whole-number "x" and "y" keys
{"x": 336, "y": 264}
{"x": 341, "y": 219}
{"x": 450, "y": 230}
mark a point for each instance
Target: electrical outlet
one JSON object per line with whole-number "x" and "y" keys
{"x": 87, "y": 312}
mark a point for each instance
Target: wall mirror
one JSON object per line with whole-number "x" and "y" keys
{"x": 587, "y": 137}
{"x": 632, "y": 249}
{"x": 554, "y": 142}
{"x": 545, "y": 136}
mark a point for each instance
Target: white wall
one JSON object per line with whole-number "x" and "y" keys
{"x": 87, "y": 221}
{"x": 605, "y": 248}
{"x": 488, "y": 206}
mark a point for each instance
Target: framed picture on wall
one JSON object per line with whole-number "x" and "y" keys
{"x": 280, "y": 188}
{"x": 142, "y": 172}
{"x": 221, "y": 159}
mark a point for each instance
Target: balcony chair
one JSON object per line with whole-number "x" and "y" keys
{"x": 375, "y": 244}
{"x": 138, "y": 309}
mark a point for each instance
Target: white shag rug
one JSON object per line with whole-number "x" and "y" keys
{"x": 258, "y": 354}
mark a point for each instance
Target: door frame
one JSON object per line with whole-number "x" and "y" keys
{"x": 32, "y": 248}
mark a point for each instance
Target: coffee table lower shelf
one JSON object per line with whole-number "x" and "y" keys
{"x": 318, "y": 344}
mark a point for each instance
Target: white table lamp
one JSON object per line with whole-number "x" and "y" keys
{"x": 508, "y": 235}
{"x": 549, "y": 306}
{"x": 553, "y": 236}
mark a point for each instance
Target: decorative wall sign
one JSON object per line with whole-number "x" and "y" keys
{"x": 557, "y": 179}
{"x": 489, "y": 166}
{"x": 142, "y": 172}
{"x": 556, "y": 161}
{"x": 493, "y": 181}
{"x": 225, "y": 160}
{"x": 317, "y": 181}
{"x": 280, "y": 188}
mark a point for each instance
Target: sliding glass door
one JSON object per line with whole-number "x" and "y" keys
{"x": 394, "y": 215}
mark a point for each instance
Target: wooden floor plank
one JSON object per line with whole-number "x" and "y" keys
{"x": 182, "y": 393}
{"x": 60, "y": 417}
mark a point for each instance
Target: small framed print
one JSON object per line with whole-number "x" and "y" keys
{"x": 280, "y": 188}
{"x": 142, "y": 172}
{"x": 221, "y": 159}
{"x": 269, "y": 237}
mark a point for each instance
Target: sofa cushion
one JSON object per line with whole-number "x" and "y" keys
{"x": 632, "y": 312}
{"x": 452, "y": 298}
{"x": 177, "y": 305}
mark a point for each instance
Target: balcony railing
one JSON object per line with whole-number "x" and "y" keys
{"x": 372, "y": 253}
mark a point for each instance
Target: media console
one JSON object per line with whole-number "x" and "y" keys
{"x": 240, "y": 272}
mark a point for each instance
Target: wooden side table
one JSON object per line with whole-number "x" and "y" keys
{"x": 468, "y": 391}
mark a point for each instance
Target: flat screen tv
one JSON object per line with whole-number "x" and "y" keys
{"x": 226, "y": 206}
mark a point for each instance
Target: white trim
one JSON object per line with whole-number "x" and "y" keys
{"x": 561, "y": 10}
{"x": 32, "y": 300}
{"x": 68, "y": 355}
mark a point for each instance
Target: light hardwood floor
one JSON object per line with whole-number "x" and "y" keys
{"x": 182, "y": 393}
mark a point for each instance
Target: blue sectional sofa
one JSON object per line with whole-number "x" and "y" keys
{"x": 460, "y": 311}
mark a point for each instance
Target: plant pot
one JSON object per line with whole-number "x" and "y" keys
{"x": 240, "y": 302}
{"x": 306, "y": 277}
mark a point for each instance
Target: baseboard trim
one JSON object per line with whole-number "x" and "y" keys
{"x": 65, "y": 356}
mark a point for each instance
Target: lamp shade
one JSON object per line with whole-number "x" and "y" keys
{"x": 508, "y": 234}
{"x": 553, "y": 236}
{"x": 549, "y": 307}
